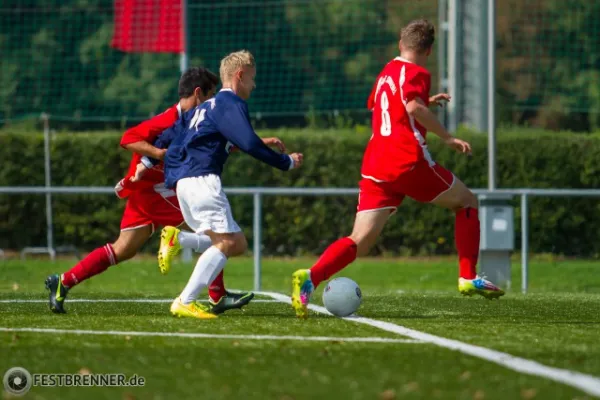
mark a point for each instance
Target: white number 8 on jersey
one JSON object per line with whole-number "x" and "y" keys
{"x": 386, "y": 123}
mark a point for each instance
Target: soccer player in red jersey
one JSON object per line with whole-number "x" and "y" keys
{"x": 397, "y": 164}
{"x": 149, "y": 203}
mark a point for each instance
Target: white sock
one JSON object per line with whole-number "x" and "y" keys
{"x": 210, "y": 263}
{"x": 197, "y": 242}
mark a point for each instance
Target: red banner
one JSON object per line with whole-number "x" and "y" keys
{"x": 153, "y": 26}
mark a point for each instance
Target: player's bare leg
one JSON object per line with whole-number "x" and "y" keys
{"x": 96, "y": 262}
{"x": 457, "y": 197}
{"x": 130, "y": 242}
{"x": 367, "y": 228}
{"x": 209, "y": 266}
{"x": 467, "y": 235}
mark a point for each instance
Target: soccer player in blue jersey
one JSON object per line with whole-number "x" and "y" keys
{"x": 198, "y": 147}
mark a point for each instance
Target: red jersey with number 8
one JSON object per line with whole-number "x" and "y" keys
{"x": 398, "y": 140}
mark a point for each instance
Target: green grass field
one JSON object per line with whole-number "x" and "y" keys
{"x": 557, "y": 325}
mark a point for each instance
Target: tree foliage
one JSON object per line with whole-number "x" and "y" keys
{"x": 313, "y": 57}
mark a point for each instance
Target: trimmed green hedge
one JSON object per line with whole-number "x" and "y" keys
{"x": 302, "y": 225}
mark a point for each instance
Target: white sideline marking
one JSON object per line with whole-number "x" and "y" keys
{"x": 117, "y": 301}
{"x": 587, "y": 383}
{"x": 213, "y": 335}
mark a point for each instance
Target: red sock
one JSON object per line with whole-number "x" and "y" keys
{"x": 216, "y": 290}
{"x": 95, "y": 262}
{"x": 466, "y": 235}
{"x": 337, "y": 256}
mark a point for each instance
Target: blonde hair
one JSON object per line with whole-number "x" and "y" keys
{"x": 233, "y": 62}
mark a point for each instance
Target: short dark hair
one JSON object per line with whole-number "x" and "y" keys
{"x": 196, "y": 77}
{"x": 418, "y": 35}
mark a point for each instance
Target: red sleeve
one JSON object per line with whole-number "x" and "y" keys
{"x": 417, "y": 85}
{"x": 148, "y": 130}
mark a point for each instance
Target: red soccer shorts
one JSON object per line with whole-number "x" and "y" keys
{"x": 423, "y": 183}
{"x": 148, "y": 207}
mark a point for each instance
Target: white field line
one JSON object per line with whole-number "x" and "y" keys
{"x": 587, "y": 383}
{"x": 211, "y": 335}
{"x": 116, "y": 301}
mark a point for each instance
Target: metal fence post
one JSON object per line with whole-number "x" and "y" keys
{"x": 48, "y": 184}
{"x": 47, "y": 190}
{"x": 491, "y": 95}
{"x": 524, "y": 242}
{"x": 184, "y": 60}
{"x": 453, "y": 69}
{"x": 257, "y": 228}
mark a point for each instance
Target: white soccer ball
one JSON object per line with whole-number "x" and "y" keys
{"x": 342, "y": 297}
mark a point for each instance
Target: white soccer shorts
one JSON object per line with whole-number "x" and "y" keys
{"x": 204, "y": 205}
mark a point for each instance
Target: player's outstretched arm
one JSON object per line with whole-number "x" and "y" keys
{"x": 140, "y": 171}
{"x": 417, "y": 109}
{"x": 148, "y": 161}
{"x": 139, "y": 138}
{"x": 146, "y": 149}
{"x": 275, "y": 142}
{"x": 271, "y": 142}
{"x": 439, "y": 99}
{"x": 235, "y": 125}
{"x": 161, "y": 143}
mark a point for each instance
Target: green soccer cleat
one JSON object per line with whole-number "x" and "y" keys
{"x": 169, "y": 248}
{"x": 302, "y": 289}
{"x": 58, "y": 294}
{"x": 230, "y": 301}
{"x": 480, "y": 286}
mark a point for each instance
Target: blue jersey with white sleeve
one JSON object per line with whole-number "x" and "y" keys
{"x": 200, "y": 142}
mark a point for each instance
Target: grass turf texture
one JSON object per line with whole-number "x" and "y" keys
{"x": 558, "y": 324}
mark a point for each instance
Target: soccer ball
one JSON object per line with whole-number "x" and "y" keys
{"x": 342, "y": 297}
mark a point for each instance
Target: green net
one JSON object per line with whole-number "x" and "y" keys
{"x": 548, "y": 63}
{"x": 313, "y": 56}
{"x": 56, "y": 58}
